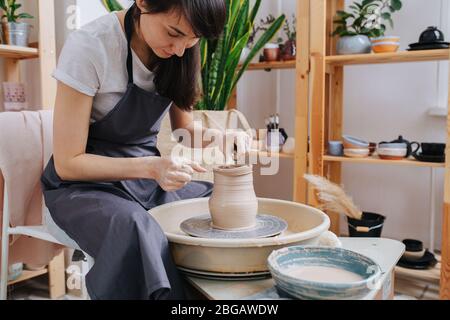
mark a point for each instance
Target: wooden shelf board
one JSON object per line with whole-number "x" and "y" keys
{"x": 396, "y": 57}
{"x": 272, "y": 65}
{"x": 15, "y": 52}
{"x": 274, "y": 154}
{"x": 376, "y": 160}
{"x": 28, "y": 274}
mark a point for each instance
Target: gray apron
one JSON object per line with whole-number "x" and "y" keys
{"x": 110, "y": 220}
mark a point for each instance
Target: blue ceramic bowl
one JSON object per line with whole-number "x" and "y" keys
{"x": 283, "y": 260}
{"x": 355, "y": 142}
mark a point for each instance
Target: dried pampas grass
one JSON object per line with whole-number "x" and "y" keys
{"x": 333, "y": 197}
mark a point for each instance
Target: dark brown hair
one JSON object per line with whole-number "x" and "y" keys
{"x": 177, "y": 78}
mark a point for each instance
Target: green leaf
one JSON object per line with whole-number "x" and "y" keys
{"x": 396, "y": 4}
{"x": 254, "y": 12}
{"x": 112, "y": 5}
{"x": 25, "y": 16}
{"x": 386, "y": 15}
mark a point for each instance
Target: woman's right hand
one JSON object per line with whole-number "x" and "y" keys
{"x": 173, "y": 174}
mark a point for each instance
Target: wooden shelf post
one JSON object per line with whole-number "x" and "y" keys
{"x": 47, "y": 52}
{"x": 302, "y": 100}
{"x": 326, "y": 101}
{"x": 445, "y": 262}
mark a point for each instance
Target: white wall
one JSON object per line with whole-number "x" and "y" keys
{"x": 381, "y": 102}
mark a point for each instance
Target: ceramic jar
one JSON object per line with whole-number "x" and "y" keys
{"x": 233, "y": 203}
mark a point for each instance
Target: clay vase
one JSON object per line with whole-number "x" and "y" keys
{"x": 233, "y": 203}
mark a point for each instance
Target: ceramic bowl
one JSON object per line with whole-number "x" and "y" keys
{"x": 354, "y": 143}
{"x": 413, "y": 249}
{"x": 393, "y": 152}
{"x": 357, "y": 153}
{"x": 385, "y": 39}
{"x": 282, "y": 262}
{"x": 385, "y": 47}
{"x": 393, "y": 146}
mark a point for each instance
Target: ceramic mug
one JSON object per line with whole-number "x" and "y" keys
{"x": 272, "y": 52}
{"x": 336, "y": 148}
{"x": 433, "y": 149}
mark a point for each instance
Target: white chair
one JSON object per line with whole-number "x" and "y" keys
{"x": 49, "y": 231}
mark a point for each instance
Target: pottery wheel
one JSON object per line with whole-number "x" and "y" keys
{"x": 238, "y": 276}
{"x": 266, "y": 226}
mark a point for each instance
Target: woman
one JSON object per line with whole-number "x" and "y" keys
{"x": 117, "y": 78}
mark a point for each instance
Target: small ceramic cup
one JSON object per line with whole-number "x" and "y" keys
{"x": 272, "y": 52}
{"x": 336, "y": 148}
{"x": 433, "y": 149}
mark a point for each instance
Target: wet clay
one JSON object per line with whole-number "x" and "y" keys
{"x": 233, "y": 204}
{"x": 323, "y": 274}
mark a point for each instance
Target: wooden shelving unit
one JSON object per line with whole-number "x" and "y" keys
{"x": 326, "y": 107}
{"x": 45, "y": 51}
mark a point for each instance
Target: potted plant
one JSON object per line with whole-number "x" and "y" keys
{"x": 365, "y": 21}
{"x": 263, "y": 25}
{"x": 14, "y": 32}
{"x": 220, "y": 58}
{"x": 289, "y": 48}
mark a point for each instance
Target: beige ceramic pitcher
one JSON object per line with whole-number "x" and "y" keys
{"x": 233, "y": 204}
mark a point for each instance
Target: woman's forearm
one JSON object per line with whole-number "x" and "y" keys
{"x": 89, "y": 167}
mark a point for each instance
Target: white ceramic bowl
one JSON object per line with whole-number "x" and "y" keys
{"x": 392, "y": 146}
{"x": 392, "y": 152}
{"x": 356, "y": 153}
{"x": 414, "y": 255}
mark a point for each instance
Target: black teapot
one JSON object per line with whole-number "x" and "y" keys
{"x": 431, "y": 35}
{"x": 409, "y": 145}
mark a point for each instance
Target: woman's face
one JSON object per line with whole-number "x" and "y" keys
{"x": 167, "y": 34}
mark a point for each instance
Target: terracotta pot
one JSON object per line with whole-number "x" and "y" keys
{"x": 233, "y": 204}
{"x": 272, "y": 52}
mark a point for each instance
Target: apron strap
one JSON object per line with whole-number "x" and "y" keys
{"x": 129, "y": 28}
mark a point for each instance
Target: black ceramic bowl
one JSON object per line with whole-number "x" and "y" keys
{"x": 413, "y": 245}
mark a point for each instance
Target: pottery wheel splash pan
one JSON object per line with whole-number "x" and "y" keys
{"x": 266, "y": 226}
{"x": 228, "y": 256}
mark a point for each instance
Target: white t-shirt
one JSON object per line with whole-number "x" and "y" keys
{"x": 93, "y": 62}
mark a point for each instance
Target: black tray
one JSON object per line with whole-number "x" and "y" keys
{"x": 418, "y": 44}
{"x": 429, "y": 46}
{"x": 426, "y": 262}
